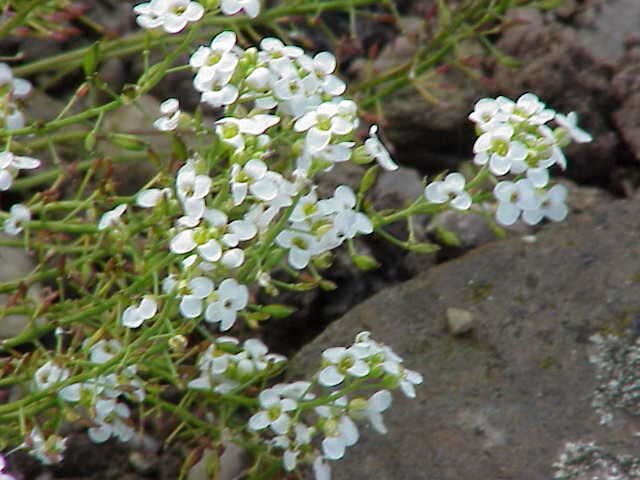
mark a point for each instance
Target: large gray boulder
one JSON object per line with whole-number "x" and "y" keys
{"x": 503, "y": 400}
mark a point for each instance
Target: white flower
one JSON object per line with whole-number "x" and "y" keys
{"x": 170, "y": 109}
{"x": 49, "y": 374}
{"x": 104, "y": 350}
{"x": 11, "y": 164}
{"x": 570, "y": 123}
{"x": 498, "y": 147}
{"x": 171, "y": 15}
{"x": 274, "y": 412}
{"x": 133, "y": 317}
{"x": 487, "y": 114}
{"x": 111, "y": 419}
{"x": 321, "y": 67}
{"x": 377, "y": 150}
{"x": 551, "y": 204}
{"x": 17, "y": 215}
{"x": 342, "y": 362}
{"x": 513, "y": 198}
{"x": 231, "y": 7}
{"x": 378, "y": 403}
{"x": 340, "y": 432}
{"x": 217, "y": 58}
{"x": 407, "y": 378}
{"x": 302, "y": 245}
{"x": 254, "y": 177}
{"x": 193, "y": 295}
{"x": 320, "y": 124}
{"x": 190, "y": 185}
{"x": 47, "y": 450}
{"x": 450, "y": 190}
{"x": 111, "y": 217}
{"x": 17, "y": 87}
{"x": 232, "y": 297}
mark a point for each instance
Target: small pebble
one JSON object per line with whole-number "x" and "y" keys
{"x": 459, "y": 321}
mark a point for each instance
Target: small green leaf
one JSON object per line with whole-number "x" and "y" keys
{"x": 277, "y": 310}
{"x": 91, "y": 58}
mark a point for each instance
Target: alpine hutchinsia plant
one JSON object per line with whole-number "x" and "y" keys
{"x": 142, "y": 290}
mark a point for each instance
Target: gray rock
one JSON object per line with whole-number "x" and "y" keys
{"x": 505, "y": 401}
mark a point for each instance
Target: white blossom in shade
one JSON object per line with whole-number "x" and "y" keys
{"x": 405, "y": 377}
{"x": 451, "y": 190}
{"x": 231, "y": 7}
{"x": 378, "y": 403}
{"x": 133, "y": 316}
{"x": 194, "y": 294}
{"x": 513, "y": 198}
{"x": 255, "y": 177}
{"x": 110, "y": 218}
{"x": 172, "y": 15}
{"x": 320, "y": 124}
{"x": 11, "y": 86}
{"x": 499, "y": 149}
{"x": 18, "y": 214}
{"x": 231, "y": 298}
{"x": 261, "y": 358}
{"x": 49, "y": 450}
{"x": 104, "y": 350}
{"x": 301, "y": 245}
{"x": 551, "y": 205}
{"x": 340, "y": 362}
{"x": 11, "y": 164}
{"x": 150, "y": 197}
{"x": 570, "y": 124}
{"x": 307, "y": 207}
{"x": 292, "y": 447}
{"x": 111, "y": 421}
{"x": 218, "y": 58}
{"x": 528, "y": 108}
{"x": 377, "y": 150}
{"x": 216, "y": 93}
{"x": 322, "y": 66}
{"x": 170, "y": 110}
{"x": 190, "y": 185}
{"x": 339, "y": 429}
{"x": 332, "y": 153}
{"x": 487, "y": 114}
{"x": 274, "y": 412}
{"x": 49, "y": 374}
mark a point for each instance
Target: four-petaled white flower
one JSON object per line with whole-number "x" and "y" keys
{"x": 274, "y": 412}
{"x": 320, "y": 124}
{"x": 18, "y": 214}
{"x": 451, "y": 190}
{"x": 11, "y": 164}
{"x": 570, "y": 123}
{"x": 171, "y": 15}
{"x": 232, "y": 297}
{"x": 513, "y": 198}
{"x": 194, "y": 294}
{"x": 342, "y": 362}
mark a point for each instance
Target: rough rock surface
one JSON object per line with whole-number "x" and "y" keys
{"x": 504, "y": 400}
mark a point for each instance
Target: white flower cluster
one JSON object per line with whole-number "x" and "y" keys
{"x": 100, "y": 394}
{"x": 514, "y": 139}
{"x": 282, "y": 406}
{"x": 223, "y": 371}
{"x": 174, "y": 15}
{"x": 276, "y": 92}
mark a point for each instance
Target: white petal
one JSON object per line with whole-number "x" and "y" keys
{"x": 183, "y": 242}
{"x": 330, "y": 376}
{"x": 507, "y": 213}
{"x": 191, "y": 306}
{"x": 259, "y": 421}
{"x": 333, "y": 448}
{"x": 131, "y": 318}
{"x": 148, "y": 307}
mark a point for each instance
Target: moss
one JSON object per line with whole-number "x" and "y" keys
{"x": 635, "y": 278}
{"x": 618, "y": 325}
{"x": 549, "y": 363}
{"x": 479, "y": 292}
